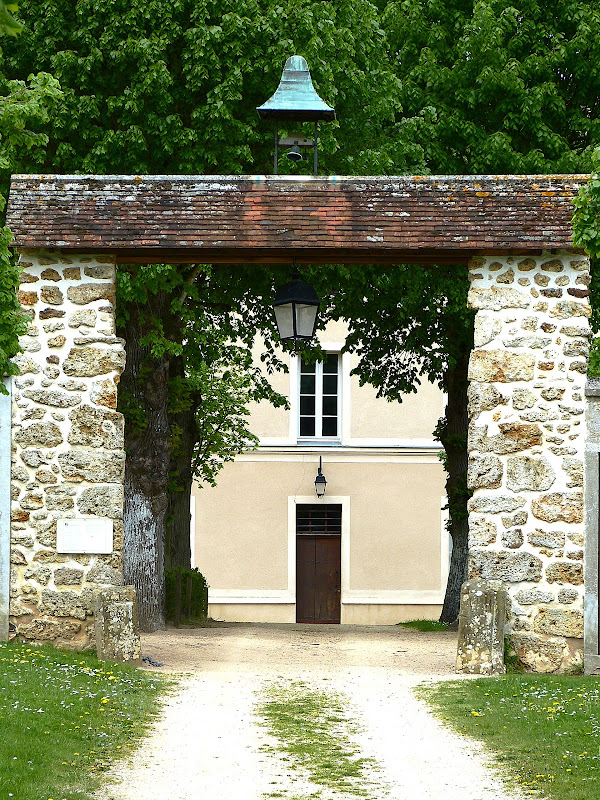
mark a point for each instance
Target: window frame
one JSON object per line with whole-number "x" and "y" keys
{"x": 318, "y": 436}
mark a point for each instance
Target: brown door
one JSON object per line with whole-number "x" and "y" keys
{"x": 318, "y": 563}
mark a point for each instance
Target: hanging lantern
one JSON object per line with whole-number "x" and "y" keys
{"x": 296, "y": 305}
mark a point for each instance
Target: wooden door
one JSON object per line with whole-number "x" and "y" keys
{"x": 318, "y": 563}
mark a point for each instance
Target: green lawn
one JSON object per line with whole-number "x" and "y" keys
{"x": 64, "y": 717}
{"x": 543, "y": 729}
{"x": 425, "y": 625}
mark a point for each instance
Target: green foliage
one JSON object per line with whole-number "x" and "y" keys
{"x": 173, "y": 88}
{"x": 489, "y": 87}
{"x": 208, "y": 329}
{"x": 186, "y": 595}
{"x": 66, "y": 717}
{"x": 543, "y": 730}
{"x": 23, "y": 104}
{"x": 9, "y": 26}
{"x": 12, "y": 321}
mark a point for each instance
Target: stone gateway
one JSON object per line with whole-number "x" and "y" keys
{"x": 527, "y": 402}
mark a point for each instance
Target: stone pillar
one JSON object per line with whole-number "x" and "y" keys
{"x": 592, "y": 529}
{"x": 526, "y": 446}
{"x": 117, "y": 624}
{"x": 481, "y": 627}
{"x": 67, "y": 443}
{"x": 5, "y": 424}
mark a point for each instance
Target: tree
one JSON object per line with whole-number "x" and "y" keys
{"x": 155, "y": 88}
{"x": 9, "y": 26}
{"x": 485, "y": 87}
{"x": 408, "y": 323}
{"x": 22, "y": 105}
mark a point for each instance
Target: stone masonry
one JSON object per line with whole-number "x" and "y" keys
{"x": 67, "y": 443}
{"x": 526, "y": 446}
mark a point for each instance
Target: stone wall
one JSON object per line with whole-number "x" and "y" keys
{"x": 67, "y": 443}
{"x": 526, "y": 446}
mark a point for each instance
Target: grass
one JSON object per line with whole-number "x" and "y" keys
{"x": 64, "y": 717}
{"x": 425, "y": 625}
{"x": 314, "y": 731}
{"x": 544, "y": 730}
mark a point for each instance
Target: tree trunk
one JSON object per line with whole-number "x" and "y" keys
{"x": 453, "y": 436}
{"x": 178, "y": 552}
{"x": 144, "y": 388}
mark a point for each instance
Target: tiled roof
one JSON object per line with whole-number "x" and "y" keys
{"x": 224, "y": 218}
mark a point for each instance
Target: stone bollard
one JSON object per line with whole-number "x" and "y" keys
{"x": 483, "y": 614}
{"x": 116, "y": 624}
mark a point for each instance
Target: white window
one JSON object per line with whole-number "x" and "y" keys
{"x": 320, "y": 398}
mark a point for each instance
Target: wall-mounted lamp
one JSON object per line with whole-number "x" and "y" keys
{"x": 320, "y": 482}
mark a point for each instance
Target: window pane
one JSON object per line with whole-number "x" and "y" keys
{"x": 307, "y": 406}
{"x": 330, "y": 365}
{"x": 307, "y": 369}
{"x": 330, "y": 384}
{"x": 307, "y": 384}
{"x": 330, "y": 406}
{"x": 329, "y": 426}
{"x": 307, "y": 426}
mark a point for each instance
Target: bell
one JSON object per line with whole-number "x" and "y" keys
{"x": 295, "y": 154}
{"x": 295, "y": 97}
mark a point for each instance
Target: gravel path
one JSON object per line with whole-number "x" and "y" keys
{"x": 207, "y": 744}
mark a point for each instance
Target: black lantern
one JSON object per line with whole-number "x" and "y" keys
{"x": 295, "y": 100}
{"x": 320, "y": 482}
{"x": 296, "y": 305}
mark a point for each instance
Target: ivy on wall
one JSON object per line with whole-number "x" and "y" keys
{"x": 586, "y": 234}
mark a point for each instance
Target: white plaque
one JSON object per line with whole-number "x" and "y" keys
{"x": 91, "y": 535}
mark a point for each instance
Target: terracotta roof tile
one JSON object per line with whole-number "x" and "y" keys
{"x": 439, "y": 218}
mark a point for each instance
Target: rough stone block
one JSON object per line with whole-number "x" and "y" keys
{"x": 569, "y": 308}
{"x": 92, "y": 361}
{"x": 481, "y": 622}
{"x": 565, "y": 572}
{"x": 495, "y": 298}
{"x": 494, "y": 504}
{"x": 532, "y": 597}
{"x": 484, "y": 472}
{"x": 483, "y": 397}
{"x": 92, "y": 465}
{"x": 498, "y": 366}
{"x": 85, "y": 293}
{"x": 539, "y": 653}
{"x": 559, "y": 507}
{"x": 512, "y": 538}
{"x": 481, "y": 532}
{"x": 116, "y": 624}
{"x": 68, "y": 576}
{"x": 102, "y": 501}
{"x": 66, "y": 604}
{"x": 550, "y": 540}
{"x": 486, "y": 329}
{"x": 559, "y": 622}
{"x": 45, "y": 630}
{"x": 515, "y": 436}
{"x": 102, "y": 573}
{"x": 512, "y": 567}
{"x": 525, "y": 472}
{"x": 96, "y": 427}
{"x": 41, "y": 434}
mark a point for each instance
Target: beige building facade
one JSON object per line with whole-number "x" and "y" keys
{"x": 373, "y": 550}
